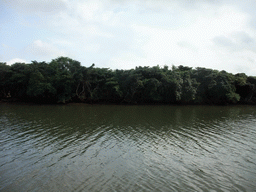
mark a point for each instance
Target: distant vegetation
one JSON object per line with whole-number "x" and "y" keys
{"x": 65, "y": 80}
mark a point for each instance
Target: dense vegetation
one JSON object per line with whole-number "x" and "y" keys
{"x": 65, "y": 80}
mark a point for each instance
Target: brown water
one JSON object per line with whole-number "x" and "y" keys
{"x": 127, "y": 148}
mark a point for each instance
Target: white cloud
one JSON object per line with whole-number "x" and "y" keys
{"x": 89, "y": 10}
{"x": 16, "y": 60}
{"x": 42, "y": 49}
{"x": 124, "y": 34}
{"x": 164, "y": 44}
{"x": 37, "y": 6}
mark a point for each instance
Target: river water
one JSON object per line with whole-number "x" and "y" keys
{"x": 82, "y": 147}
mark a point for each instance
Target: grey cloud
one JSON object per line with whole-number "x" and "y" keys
{"x": 243, "y": 37}
{"x": 223, "y": 41}
{"x": 187, "y": 45}
{"x": 236, "y": 41}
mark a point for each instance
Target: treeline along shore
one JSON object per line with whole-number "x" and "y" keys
{"x": 65, "y": 80}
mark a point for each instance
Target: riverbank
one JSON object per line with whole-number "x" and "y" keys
{"x": 64, "y": 80}
{"x": 17, "y": 101}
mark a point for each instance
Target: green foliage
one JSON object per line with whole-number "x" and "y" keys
{"x": 4, "y": 80}
{"x": 18, "y": 80}
{"x": 38, "y": 87}
{"x": 65, "y": 80}
{"x": 189, "y": 88}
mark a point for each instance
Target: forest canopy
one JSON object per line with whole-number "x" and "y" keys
{"x": 65, "y": 80}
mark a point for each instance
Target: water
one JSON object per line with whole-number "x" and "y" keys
{"x": 127, "y": 148}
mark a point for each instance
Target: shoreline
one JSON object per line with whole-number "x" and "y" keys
{"x": 19, "y": 102}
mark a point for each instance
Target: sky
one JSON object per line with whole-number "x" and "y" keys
{"x": 123, "y": 34}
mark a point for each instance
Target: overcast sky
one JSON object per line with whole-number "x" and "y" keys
{"x": 122, "y": 34}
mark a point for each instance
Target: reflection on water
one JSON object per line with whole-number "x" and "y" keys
{"x": 127, "y": 148}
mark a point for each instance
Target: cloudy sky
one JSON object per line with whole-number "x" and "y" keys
{"x": 122, "y": 34}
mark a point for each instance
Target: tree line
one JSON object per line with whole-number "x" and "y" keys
{"x": 65, "y": 80}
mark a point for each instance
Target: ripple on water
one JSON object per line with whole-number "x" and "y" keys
{"x": 127, "y": 148}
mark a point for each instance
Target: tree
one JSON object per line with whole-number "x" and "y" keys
{"x": 18, "y": 81}
{"x": 4, "y": 82}
{"x": 189, "y": 88}
{"x": 221, "y": 89}
{"x": 65, "y": 80}
{"x": 39, "y": 89}
{"x": 61, "y": 79}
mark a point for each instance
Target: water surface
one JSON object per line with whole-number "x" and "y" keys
{"x": 127, "y": 148}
